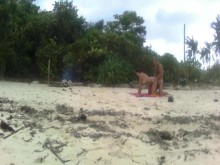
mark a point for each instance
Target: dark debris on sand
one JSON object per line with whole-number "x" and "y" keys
{"x": 4, "y": 100}
{"x": 64, "y": 109}
{"x": 205, "y": 128}
{"x": 28, "y": 110}
{"x": 93, "y": 124}
{"x": 109, "y": 112}
{"x": 6, "y": 127}
{"x": 180, "y": 119}
{"x": 159, "y": 137}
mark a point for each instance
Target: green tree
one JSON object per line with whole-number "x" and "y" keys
{"x": 121, "y": 37}
{"x": 67, "y": 26}
{"x": 4, "y": 19}
{"x": 125, "y": 35}
{"x": 67, "y": 29}
{"x": 216, "y": 42}
{"x": 88, "y": 51}
{"x": 191, "y": 70}
{"x": 50, "y": 50}
{"x": 206, "y": 53}
{"x": 145, "y": 60}
{"x": 170, "y": 66}
{"x": 14, "y": 22}
{"x": 192, "y": 49}
{"x": 115, "y": 70}
{"x": 212, "y": 74}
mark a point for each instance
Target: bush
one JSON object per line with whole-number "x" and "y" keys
{"x": 170, "y": 66}
{"x": 114, "y": 71}
{"x": 50, "y": 50}
{"x": 212, "y": 75}
{"x": 190, "y": 70}
{"x": 145, "y": 61}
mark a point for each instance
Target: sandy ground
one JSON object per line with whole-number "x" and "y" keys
{"x": 96, "y": 125}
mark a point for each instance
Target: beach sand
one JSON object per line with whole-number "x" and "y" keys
{"x": 82, "y": 125}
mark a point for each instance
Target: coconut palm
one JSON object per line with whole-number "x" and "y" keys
{"x": 216, "y": 27}
{"x": 192, "y": 48}
{"x": 206, "y": 53}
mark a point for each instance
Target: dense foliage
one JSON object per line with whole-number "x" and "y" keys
{"x": 102, "y": 52}
{"x": 115, "y": 70}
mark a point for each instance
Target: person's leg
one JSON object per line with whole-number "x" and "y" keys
{"x": 157, "y": 87}
{"x": 160, "y": 83}
{"x": 154, "y": 88}
{"x": 150, "y": 89}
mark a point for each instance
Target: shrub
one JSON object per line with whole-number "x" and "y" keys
{"x": 144, "y": 61}
{"x": 170, "y": 66}
{"x": 115, "y": 70}
{"x": 50, "y": 50}
{"x": 212, "y": 75}
{"x": 190, "y": 70}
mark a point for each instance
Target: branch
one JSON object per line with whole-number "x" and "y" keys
{"x": 13, "y": 133}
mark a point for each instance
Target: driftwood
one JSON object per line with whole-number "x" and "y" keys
{"x": 41, "y": 159}
{"x": 192, "y": 153}
{"x": 48, "y": 144}
{"x": 13, "y": 133}
{"x": 82, "y": 152}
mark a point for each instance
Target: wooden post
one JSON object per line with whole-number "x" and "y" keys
{"x": 48, "y": 71}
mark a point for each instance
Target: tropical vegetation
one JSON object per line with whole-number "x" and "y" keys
{"x": 100, "y": 52}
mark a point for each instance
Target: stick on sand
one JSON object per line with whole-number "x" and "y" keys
{"x": 13, "y": 133}
{"x": 47, "y": 144}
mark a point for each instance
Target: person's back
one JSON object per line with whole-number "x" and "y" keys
{"x": 145, "y": 79}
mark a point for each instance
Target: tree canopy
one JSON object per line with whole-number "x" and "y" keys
{"x": 104, "y": 52}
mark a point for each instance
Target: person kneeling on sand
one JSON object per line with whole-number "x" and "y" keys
{"x": 145, "y": 79}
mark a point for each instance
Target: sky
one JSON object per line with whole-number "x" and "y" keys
{"x": 164, "y": 19}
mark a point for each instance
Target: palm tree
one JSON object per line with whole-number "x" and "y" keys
{"x": 206, "y": 53}
{"x": 192, "y": 48}
{"x": 216, "y": 27}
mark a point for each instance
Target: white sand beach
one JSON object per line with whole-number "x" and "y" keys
{"x": 82, "y": 125}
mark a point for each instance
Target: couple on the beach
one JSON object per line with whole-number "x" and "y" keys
{"x": 155, "y": 84}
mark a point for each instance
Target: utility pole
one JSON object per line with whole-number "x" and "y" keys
{"x": 184, "y": 47}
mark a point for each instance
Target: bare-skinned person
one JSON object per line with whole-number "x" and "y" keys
{"x": 158, "y": 75}
{"x": 145, "y": 79}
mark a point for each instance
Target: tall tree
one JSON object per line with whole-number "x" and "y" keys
{"x": 62, "y": 31}
{"x": 130, "y": 22}
{"x": 24, "y": 32}
{"x": 216, "y": 42}
{"x": 192, "y": 49}
{"x": 206, "y": 53}
{"x": 170, "y": 66}
{"x": 68, "y": 26}
{"x": 4, "y": 19}
{"x": 126, "y": 34}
